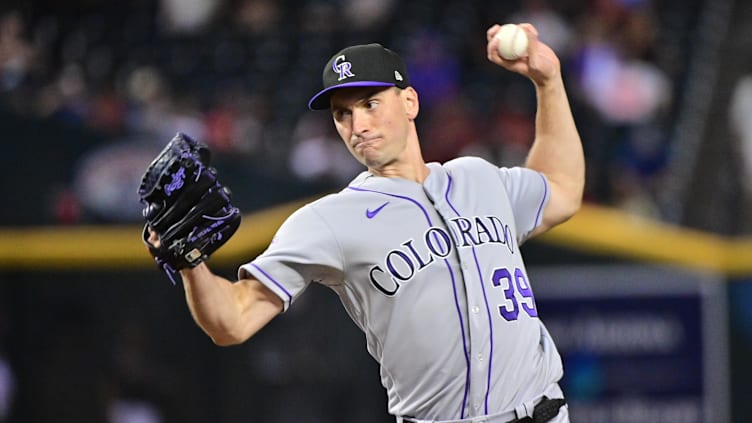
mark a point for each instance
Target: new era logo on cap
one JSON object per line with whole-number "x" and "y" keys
{"x": 368, "y": 65}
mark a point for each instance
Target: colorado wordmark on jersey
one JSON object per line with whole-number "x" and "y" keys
{"x": 432, "y": 274}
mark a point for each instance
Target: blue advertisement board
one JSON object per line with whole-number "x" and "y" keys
{"x": 638, "y": 343}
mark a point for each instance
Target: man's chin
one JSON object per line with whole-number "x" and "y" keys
{"x": 377, "y": 165}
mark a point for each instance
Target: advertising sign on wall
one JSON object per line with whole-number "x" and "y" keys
{"x": 638, "y": 343}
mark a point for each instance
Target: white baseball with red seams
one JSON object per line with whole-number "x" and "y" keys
{"x": 512, "y": 42}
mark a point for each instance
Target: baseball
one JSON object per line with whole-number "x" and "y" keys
{"x": 512, "y": 42}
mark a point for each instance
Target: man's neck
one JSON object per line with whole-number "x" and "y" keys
{"x": 416, "y": 172}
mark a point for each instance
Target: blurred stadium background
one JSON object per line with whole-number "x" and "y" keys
{"x": 648, "y": 290}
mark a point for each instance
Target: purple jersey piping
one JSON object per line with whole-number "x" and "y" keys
{"x": 454, "y": 289}
{"x": 268, "y": 276}
{"x": 485, "y": 299}
{"x": 539, "y": 215}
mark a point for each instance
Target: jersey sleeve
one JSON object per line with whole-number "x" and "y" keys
{"x": 528, "y": 193}
{"x": 303, "y": 250}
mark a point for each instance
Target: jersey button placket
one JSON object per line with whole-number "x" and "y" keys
{"x": 479, "y": 331}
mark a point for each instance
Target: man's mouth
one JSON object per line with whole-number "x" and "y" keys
{"x": 364, "y": 142}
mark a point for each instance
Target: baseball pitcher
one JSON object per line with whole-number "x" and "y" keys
{"x": 424, "y": 256}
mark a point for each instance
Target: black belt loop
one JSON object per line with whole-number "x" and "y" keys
{"x": 547, "y": 409}
{"x": 544, "y": 411}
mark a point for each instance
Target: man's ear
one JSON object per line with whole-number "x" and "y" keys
{"x": 412, "y": 105}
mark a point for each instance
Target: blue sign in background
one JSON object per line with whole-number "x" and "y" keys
{"x": 637, "y": 345}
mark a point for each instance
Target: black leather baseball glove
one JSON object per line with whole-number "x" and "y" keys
{"x": 186, "y": 206}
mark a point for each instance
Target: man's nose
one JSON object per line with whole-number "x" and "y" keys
{"x": 360, "y": 122}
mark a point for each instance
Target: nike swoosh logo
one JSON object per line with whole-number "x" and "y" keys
{"x": 372, "y": 213}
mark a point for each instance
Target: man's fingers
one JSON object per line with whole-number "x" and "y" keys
{"x": 153, "y": 238}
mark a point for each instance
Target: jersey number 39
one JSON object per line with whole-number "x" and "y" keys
{"x": 510, "y": 309}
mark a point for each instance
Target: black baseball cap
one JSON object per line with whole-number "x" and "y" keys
{"x": 367, "y": 65}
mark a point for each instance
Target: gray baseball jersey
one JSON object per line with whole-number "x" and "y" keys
{"x": 433, "y": 276}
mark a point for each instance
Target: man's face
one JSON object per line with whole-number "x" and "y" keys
{"x": 374, "y": 123}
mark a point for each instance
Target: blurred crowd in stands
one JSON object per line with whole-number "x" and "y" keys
{"x": 237, "y": 74}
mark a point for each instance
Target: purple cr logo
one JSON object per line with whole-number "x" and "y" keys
{"x": 342, "y": 68}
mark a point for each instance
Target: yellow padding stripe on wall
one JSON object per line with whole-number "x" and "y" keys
{"x": 120, "y": 246}
{"x": 606, "y": 231}
{"x": 595, "y": 230}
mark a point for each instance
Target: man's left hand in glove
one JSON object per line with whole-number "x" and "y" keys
{"x": 187, "y": 210}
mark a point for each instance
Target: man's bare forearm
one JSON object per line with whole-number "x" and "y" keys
{"x": 557, "y": 151}
{"x": 229, "y": 312}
